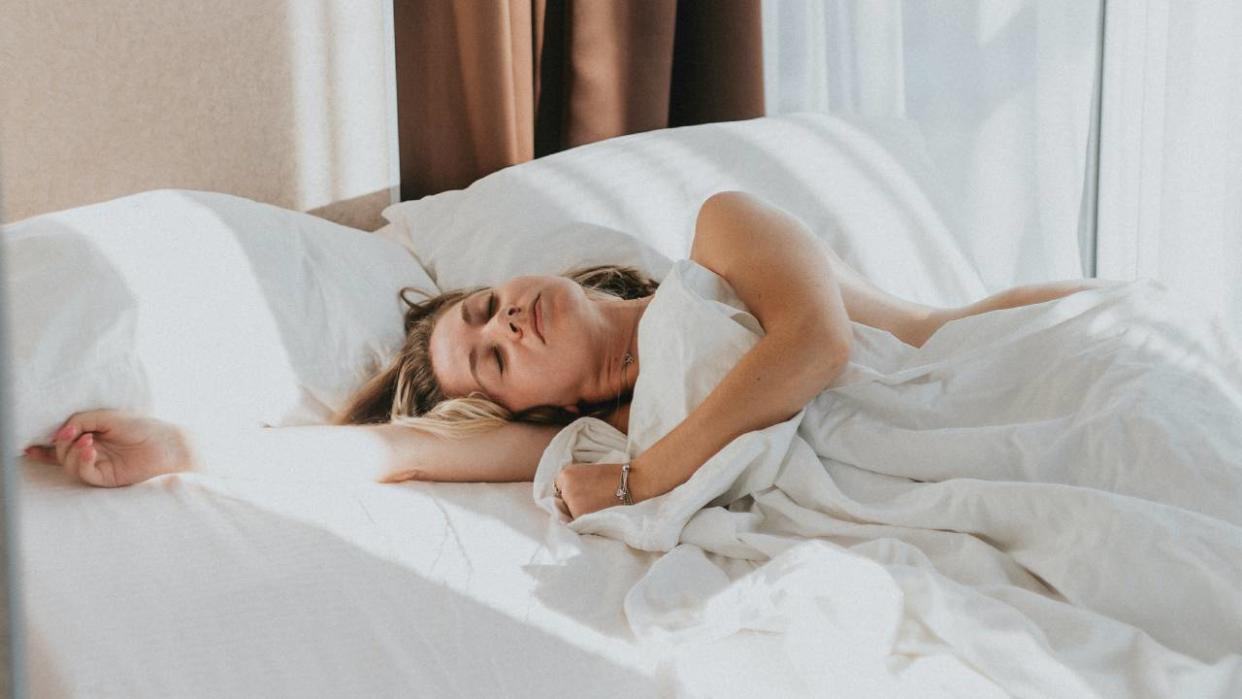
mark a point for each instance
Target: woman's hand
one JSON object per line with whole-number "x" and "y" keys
{"x": 110, "y": 448}
{"x": 587, "y": 488}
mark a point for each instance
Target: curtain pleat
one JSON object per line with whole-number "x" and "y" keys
{"x": 459, "y": 91}
{"x": 620, "y": 65}
{"x": 485, "y": 85}
{"x": 718, "y": 63}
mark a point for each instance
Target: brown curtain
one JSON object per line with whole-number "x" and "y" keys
{"x": 483, "y": 84}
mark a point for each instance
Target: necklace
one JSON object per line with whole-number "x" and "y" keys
{"x": 625, "y": 368}
{"x": 626, "y": 361}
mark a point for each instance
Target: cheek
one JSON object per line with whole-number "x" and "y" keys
{"x": 561, "y": 374}
{"x": 567, "y": 363}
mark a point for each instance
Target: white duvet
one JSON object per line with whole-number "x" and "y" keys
{"x": 1040, "y": 501}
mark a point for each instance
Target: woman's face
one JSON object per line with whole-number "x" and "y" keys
{"x": 532, "y": 341}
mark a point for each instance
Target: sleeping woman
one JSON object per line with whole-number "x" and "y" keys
{"x": 487, "y": 377}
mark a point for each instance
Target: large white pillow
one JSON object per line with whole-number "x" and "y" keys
{"x": 489, "y": 255}
{"x": 195, "y": 306}
{"x": 866, "y": 185}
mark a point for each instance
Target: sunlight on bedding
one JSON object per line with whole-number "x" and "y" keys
{"x": 187, "y": 380}
{"x": 877, "y": 163}
{"x": 485, "y": 542}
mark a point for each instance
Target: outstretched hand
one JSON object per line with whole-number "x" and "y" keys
{"x": 110, "y": 448}
{"x": 587, "y": 488}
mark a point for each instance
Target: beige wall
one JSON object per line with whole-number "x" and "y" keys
{"x": 285, "y": 101}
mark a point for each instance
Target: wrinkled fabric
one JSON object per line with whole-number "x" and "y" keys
{"x": 1040, "y": 501}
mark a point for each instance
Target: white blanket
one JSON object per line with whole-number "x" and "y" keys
{"x": 1044, "y": 501}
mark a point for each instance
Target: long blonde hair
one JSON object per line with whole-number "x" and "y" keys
{"x": 406, "y": 392}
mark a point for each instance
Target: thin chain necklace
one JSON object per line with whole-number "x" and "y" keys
{"x": 625, "y": 368}
{"x": 626, "y": 361}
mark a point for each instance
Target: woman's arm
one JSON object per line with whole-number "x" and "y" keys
{"x": 374, "y": 453}
{"x": 779, "y": 271}
{"x": 111, "y": 448}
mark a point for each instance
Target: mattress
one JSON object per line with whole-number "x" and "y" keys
{"x": 194, "y": 585}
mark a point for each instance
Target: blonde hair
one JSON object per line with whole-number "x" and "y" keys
{"x": 406, "y": 392}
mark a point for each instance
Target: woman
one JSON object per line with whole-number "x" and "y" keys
{"x": 487, "y": 377}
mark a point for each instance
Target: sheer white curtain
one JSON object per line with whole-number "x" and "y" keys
{"x": 1002, "y": 92}
{"x": 1171, "y": 148}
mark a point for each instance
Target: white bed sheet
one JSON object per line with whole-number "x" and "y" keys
{"x": 193, "y": 585}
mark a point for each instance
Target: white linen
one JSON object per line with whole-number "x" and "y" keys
{"x": 494, "y": 256}
{"x": 865, "y": 185}
{"x": 196, "y": 306}
{"x": 1059, "y": 483}
{"x": 195, "y": 586}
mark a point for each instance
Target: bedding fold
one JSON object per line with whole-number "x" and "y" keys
{"x": 1059, "y": 483}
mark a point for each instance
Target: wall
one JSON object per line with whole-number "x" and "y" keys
{"x": 284, "y": 101}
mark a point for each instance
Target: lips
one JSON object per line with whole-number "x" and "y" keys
{"x": 537, "y": 314}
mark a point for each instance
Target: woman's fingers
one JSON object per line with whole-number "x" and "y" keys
{"x": 89, "y": 421}
{"x": 63, "y": 440}
{"x": 80, "y": 456}
{"x": 559, "y": 498}
{"x": 42, "y": 454}
{"x": 75, "y": 447}
{"x": 88, "y": 466}
{"x": 78, "y": 424}
{"x": 73, "y": 454}
{"x": 50, "y": 455}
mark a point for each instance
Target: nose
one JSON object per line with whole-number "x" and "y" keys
{"x": 511, "y": 324}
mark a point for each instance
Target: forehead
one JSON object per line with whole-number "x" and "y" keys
{"x": 449, "y": 347}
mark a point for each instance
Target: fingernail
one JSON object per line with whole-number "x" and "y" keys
{"x": 88, "y": 440}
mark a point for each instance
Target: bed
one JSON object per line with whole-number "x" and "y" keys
{"x": 200, "y": 585}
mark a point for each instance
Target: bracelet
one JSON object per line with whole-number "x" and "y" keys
{"x": 623, "y": 492}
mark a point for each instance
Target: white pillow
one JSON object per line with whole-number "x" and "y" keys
{"x": 195, "y": 306}
{"x": 483, "y": 259}
{"x": 866, "y": 185}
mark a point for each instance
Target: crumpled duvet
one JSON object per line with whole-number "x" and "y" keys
{"x": 1040, "y": 501}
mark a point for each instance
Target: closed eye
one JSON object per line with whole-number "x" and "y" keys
{"x": 491, "y": 309}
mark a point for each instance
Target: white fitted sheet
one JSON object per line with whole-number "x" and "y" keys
{"x": 191, "y": 585}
